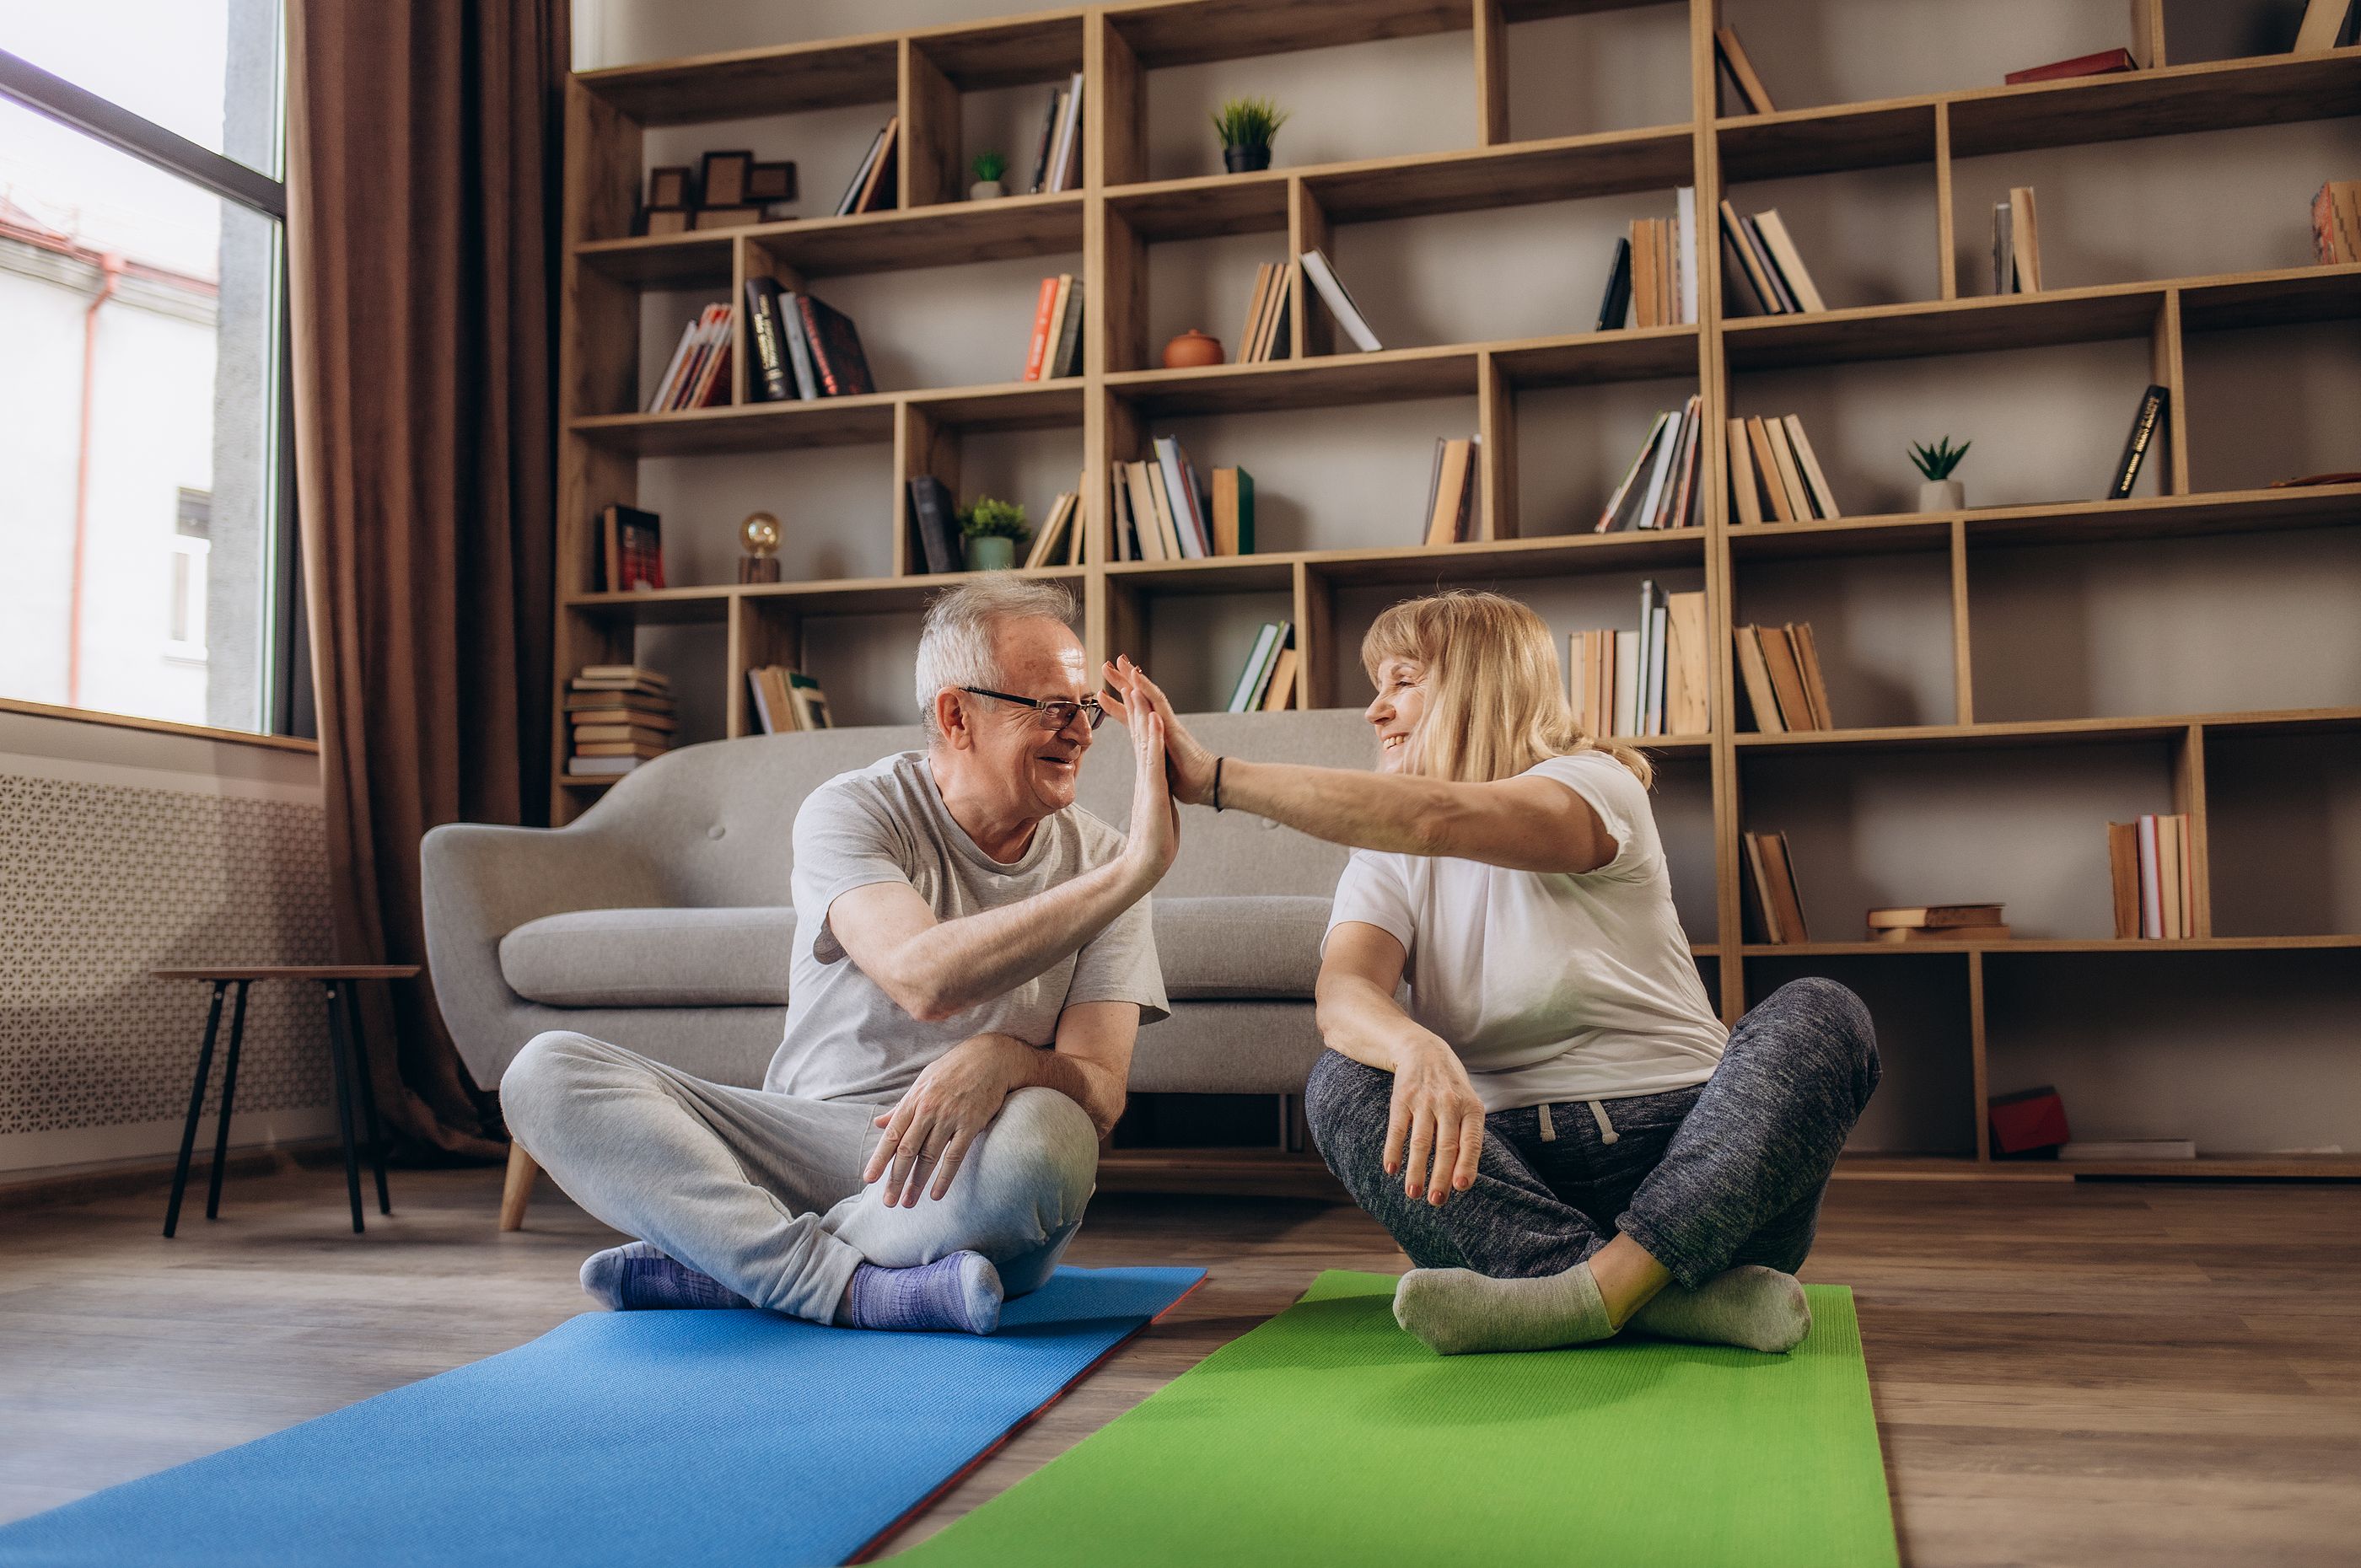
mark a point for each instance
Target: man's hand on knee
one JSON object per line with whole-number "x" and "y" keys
{"x": 953, "y": 1100}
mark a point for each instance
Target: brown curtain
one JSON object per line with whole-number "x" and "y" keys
{"x": 423, "y": 224}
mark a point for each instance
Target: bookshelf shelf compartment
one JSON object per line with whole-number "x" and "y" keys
{"x": 697, "y": 261}
{"x": 1925, "y": 329}
{"x": 2045, "y": 731}
{"x": 748, "y": 427}
{"x": 941, "y": 235}
{"x": 1335, "y": 380}
{"x": 2062, "y": 522}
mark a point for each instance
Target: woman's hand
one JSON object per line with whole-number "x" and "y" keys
{"x": 1436, "y": 1111}
{"x": 1130, "y": 692}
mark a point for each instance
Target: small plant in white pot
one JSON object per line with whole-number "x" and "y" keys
{"x": 1939, "y": 491}
{"x": 987, "y": 167}
{"x": 991, "y": 529}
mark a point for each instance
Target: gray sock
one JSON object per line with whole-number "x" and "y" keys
{"x": 1456, "y": 1311}
{"x": 1751, "y": 1307}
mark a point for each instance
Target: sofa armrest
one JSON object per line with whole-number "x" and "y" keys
{"x": 478, "y": 882}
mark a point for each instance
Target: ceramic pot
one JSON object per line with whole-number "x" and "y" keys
{"x": 985, "y": 190}
{"x": 1247, "y": 159}
{"x": 1941, "y": 495}
{"x": 990, "y": 553}
{"x": 1192, "y": 349}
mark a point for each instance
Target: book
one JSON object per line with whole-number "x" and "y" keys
{"x": 601, "y": 767}
{"x": 1077, "y": 534}
{"x": 934, "y": 513}
{"x": 1053, "y": 531}
{"x": 1684, "y": 278}
{"x": 1615, "y": 305}
{"x": 1181, "y": 495}
{"x": 1757, "y": 888}
{"x": 1049, "y": 119}
{"x": 1688, "y": 695}
{"x": 1824, "y": 500}
{"x": 2167, "y": 880}
{"x": 1452, "y": 483}
{"x": 1242, "y": 694}
{"x": 597, "y": 675}
{"x": 878, "y": 188}
{"x": 633, "y": 550}
{"x": 1275, "y": 340}
{"x": 1782, "y": 249}
{"x": 1065, "y": 155}
{"x": 1754, "y": 674}
{"x": 1625, "y": 712}
{"x": 1148, "y": 527}
{"x": 1780, "y": 287}
{"x": 2337, "y": 222}
{"x": 1935, "y": 915}
{"x": 1646, "y": 308}
{"x": 860, "y": 172}
{"x": 1232, "y": 512}
{"x": 2324, "y": 24}
{"x": 2127, "y": 1148}
{"x": 1316, "y": 266}
{"x": 1791, "y": 477}
{"x": 1655, "y": 632}
{"x": 1992, "y": 933}
{"x": 1752, "y": 269}
{"x": 1044, "y": 316}
{"x": 2105, "y": 62}
{"x": 1731, "y": 55}
{"x": 2024, "y": 239}
{"x": 810, "y": 702}
{"x": 1615, "y": 502}
{"x": 2151, "y": 893}
{"x": 2124, "y": 875}
{"x": 1783, "y": 889}
{"x": 2144, "y": 421}
{"x": 1807, "y": 660}
{"x": 639, "y": 734}
{"x": 1256, "y": 302}
{"x": 2003, "y": 250}
{"x": 1658, "y": 473}
{"x": 1786, "y": 678}
{"x": 773, "y": 381}
{"x": 1766, "y": 469}
{"x": 1684, "y": 511}
{"x": 1743, "y": 487}
{"x": 841, "y": 368}
{"x": 1066, "y": 349}
{"x": 1281, "y": 693}
{"x": 799, "y": 358}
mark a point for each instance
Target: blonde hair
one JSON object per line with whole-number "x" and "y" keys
{"x": 1495, "y": 699}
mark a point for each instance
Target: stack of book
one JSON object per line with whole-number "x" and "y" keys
{"x": 804, "y": 349}
{"x": 1454, "y": 504}
{"x": 786, "y": 699}
{"x": 1321, "y": 274}
{"x": 2337, "y": 222}
{"x": 1774, "y": 475}
{"x": 620, "y": 716}
{"x": 2155, "y": 878}
{"x": 630, "y": 552}
{"x": 1939, "y": 923}
{"x": 1057, "y": 347}
{"x": 1766, "y": 271}
{"x": 1780, "y": 670}
{"x": 1649, "y": 681}
{"x": 1669, "y": 495}
{"x": 1265, "y": 335}
{"x": 1659, "y": 265}
{"x": 1163, "y": 511}
{"x": 698, "y": 374}
{"x": 1268, "y": 680}
{"x": 874, "y": 186}
{"x": 1772, "y": 904}
{"x": 2016, "y": 244}
{"x": 1057, "y": 160}
{"x": 1062, "y": 535}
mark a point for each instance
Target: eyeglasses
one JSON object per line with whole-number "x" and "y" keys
{"x": 1054, "y": 714}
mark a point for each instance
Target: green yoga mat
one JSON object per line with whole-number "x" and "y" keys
{"x": 1329, "y": 1436}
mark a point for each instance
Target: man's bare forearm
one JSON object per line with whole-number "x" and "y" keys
{"x": 1357, "y": 1020}
{"x": 958, "y": 964}
{"x": 1098, "y": 1092}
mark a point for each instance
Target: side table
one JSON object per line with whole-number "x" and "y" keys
{"x": 346, "y": 1054}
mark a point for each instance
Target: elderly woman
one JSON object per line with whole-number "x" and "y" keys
{"x": 1557, "y": 1127}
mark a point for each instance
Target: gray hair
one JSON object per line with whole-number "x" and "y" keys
{"x": 955, "y": 646}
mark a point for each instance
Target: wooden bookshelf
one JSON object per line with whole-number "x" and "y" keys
{"x": 1121, "y": 210}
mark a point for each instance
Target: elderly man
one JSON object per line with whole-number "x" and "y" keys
{"x": 972, "y": 962}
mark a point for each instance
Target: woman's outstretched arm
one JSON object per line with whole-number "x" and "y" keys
{"x": 1522, "y": 824}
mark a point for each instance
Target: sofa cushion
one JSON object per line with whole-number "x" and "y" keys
{"x": 653, "y": 958}
{"x": 1240, "y": 949}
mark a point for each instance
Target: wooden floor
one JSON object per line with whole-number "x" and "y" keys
{"x": 2092, "y": 1374}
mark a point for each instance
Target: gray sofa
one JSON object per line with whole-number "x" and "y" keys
{"x": 660, "y": 919}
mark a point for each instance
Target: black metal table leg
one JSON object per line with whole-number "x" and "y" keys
{"x": 344, "y": 1099}
{"x": 228, "y": 1099}
{"x": 196, "y": 1107}
{"x": 368, "y": 1093}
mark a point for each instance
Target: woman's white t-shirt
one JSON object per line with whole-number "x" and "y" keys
{"x": 1551, "y": 985}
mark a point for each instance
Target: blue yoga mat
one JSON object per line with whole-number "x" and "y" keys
{"x": 718, "y": 1438}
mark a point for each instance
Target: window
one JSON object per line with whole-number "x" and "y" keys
{"x": 143, "y": 398}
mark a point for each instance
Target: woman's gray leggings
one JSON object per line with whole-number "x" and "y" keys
{"x": 1727, "y": 1172}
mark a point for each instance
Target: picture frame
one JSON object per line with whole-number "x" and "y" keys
{"x": 670, "y": 188}
{"x": 669, "y": 220}
{"x": 725, "y": 178}
{"x": 727, "y": 217}
{"x": 769, "y": 183}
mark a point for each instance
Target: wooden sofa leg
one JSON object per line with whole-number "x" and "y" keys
{"x": 516, "y": 1192}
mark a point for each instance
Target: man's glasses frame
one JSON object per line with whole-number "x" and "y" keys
{"x": 1053, "y": 714}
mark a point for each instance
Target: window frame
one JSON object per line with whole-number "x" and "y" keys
{"x": 287, "y": 698}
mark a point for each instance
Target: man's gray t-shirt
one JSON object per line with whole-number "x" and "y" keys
{"x": 846, "y": 1039}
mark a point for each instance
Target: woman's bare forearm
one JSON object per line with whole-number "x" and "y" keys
{"x": 1358, "y": 1020}
{"x": 1388, "y": 812}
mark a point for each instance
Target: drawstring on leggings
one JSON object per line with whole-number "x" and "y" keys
{"x": 1606, "y": 1132}
{"x": 1549, "y": 1128}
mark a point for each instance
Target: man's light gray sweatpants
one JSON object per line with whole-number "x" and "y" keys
{"x": 762, "y": 1191}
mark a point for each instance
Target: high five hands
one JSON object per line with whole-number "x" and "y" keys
{"x": 1189, "y": 765}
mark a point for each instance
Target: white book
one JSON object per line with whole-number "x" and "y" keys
{"x": 2128, "y": 1148}
{"x": 688, "y": 336}
{"x": 1242, "y": 695}
{"x": 1627, "y": 683}
{"x": 1644, "y": 680}
{"x": 1685, "y": 276}
{"x": 762, "y": 702}
{"x": 1180, "y": 494}
{"x": 1639, "y": 461}
{"x": 1069, "y": 128}
{"x": 1669, "y": 438}
{"x": 1340, "y": 303}
{"x": 2151, "y": 897}
{"x": 1256, "y": 698}
{"x": 860, "y": 174}
{"x": 1657, "y": 619}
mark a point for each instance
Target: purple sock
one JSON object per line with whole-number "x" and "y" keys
{"x": 637, "y": 1276}
{"x": 961, "y": 1292}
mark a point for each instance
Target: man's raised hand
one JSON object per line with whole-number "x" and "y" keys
{"x": 1189, "y": 763}
{"x": 1155, "y": 819}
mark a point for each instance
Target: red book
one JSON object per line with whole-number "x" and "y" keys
{"x": 2102, "y": 64}
{"x": 1033, "y": 355}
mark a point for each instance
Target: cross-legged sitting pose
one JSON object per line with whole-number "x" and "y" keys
{"x": 1557, "y": 1129}
{"x": 972, "y": 961}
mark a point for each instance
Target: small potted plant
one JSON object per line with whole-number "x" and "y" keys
{"x": 990, "y": 530}
{"x": 987, "y": 167}
{"x": 1246, "y": 126}
{"x": 1940, "y": 492}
